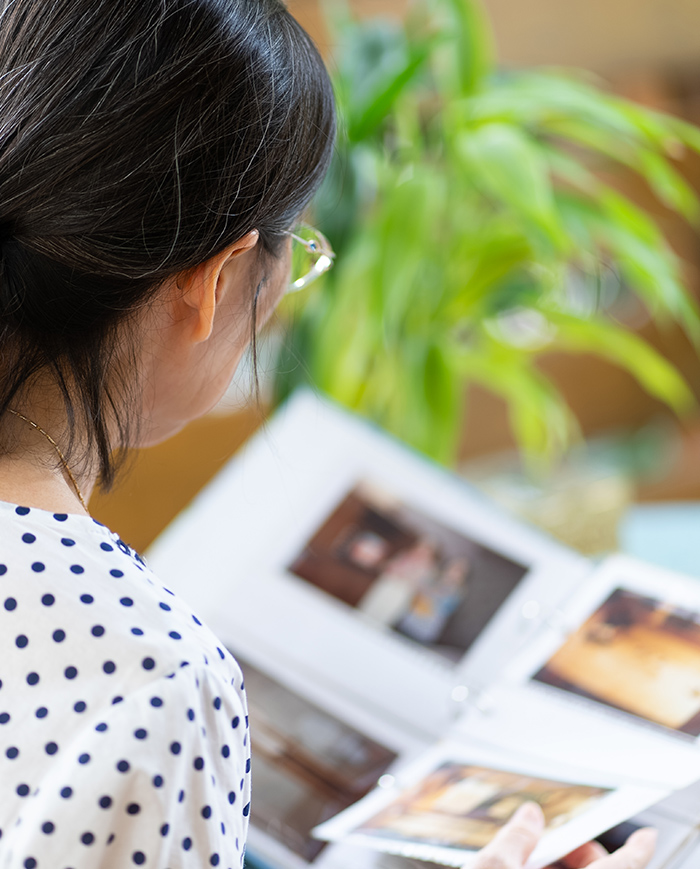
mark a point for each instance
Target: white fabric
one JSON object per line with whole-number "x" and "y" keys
{"x": 123, "y": 721}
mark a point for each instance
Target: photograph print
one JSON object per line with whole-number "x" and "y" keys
{"x": 637, "y": 654}
{"x": 463, "y": 807}
{"x": 406, "y": 571}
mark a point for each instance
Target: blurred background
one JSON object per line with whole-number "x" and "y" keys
{"x": 568, "y": 389}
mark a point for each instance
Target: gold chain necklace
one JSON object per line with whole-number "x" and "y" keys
{"x": 58, "y": 451}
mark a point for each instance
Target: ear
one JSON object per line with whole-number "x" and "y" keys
{"x": 201, "y": 288}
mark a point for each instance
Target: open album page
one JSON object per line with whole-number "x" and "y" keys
{"x": 452, "y": 800}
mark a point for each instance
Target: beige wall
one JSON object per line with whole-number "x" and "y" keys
{"x": 613, "y": 37}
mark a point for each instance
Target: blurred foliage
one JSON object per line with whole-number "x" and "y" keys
{"x": 475, "y": 232}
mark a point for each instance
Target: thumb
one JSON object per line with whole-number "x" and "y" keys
{"x": 515, "y": 841}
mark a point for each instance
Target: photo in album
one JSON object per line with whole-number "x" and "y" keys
{"x": 638, "y": 654}
{"x": 463, "y": 806}
{"x": 407, "y": 571}
{"x": 308, "y": 764}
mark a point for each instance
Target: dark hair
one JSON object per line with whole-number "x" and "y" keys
{"x": 138, "y": 138}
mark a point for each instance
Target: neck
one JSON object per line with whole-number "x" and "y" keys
{"x": 34, "y": 475}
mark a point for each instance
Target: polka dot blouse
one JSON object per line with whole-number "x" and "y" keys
{"x": 123, "y": 728}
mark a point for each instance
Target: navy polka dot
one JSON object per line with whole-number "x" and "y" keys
{"x": 246, "y": 811}
{"x": 60, "y": 517}
{"x": 122, "y": 651}
{"x": 22, "y": 511}
{"x": 30, "y": 863}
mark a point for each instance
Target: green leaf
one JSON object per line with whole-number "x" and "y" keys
{"x": 473, "y": 43}
{"x": 367, "y": 121}
{"x": 655, "y": 373}
{"x": 669, "y": 185}
{"x": 505, "y": 163}
{"x": 541, "y": 421}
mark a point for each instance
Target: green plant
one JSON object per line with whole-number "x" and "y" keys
{"x": 475, "y": 233}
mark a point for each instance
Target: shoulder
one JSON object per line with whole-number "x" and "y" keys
{"x": 74, "y": 588}
{"x": 163, "y": 772}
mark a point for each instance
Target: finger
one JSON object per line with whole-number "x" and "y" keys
{"x": 515, "y": 841}
{"x": 634, "y": 854}
{"x": 584, "y": 856}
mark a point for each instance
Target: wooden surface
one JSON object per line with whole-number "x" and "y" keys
{"x": 160, "y": 481}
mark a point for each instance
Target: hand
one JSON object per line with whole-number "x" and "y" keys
{"x": 515, "y": 841}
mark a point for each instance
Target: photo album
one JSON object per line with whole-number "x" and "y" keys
{"x": 419, "y": 663}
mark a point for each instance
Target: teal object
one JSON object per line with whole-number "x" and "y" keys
{"x": 665, "y": 534}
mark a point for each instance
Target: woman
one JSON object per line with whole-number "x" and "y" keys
{"x": 154, "y": 158}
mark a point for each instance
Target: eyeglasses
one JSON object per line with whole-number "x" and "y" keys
{"x": 312, "y": 256}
